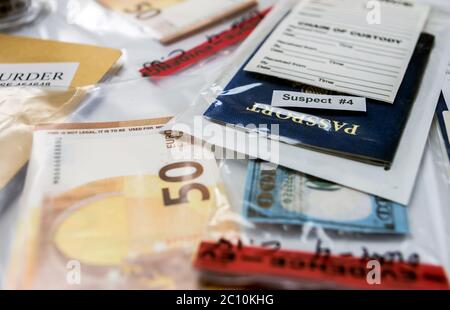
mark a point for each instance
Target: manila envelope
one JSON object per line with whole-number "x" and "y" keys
{"x": 21, "y": 108}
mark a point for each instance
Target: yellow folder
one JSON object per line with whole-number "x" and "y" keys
{"x": 23, "y": 107}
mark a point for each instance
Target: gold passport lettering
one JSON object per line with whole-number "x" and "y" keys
{"x": 308, "y": 120}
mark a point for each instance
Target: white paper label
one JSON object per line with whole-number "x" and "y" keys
{"x": 38, "y": 74}
{"x": 304, "y": 100}
{"x": 332, "y": 45}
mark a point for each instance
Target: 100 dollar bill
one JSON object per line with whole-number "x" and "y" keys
{"x": 116, "y": 203}
{"x": 277, "y": 195}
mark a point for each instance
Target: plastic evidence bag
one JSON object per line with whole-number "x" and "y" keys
{"x": 199, "y": 53}
{"x": 113, "y": 205}
{"x": 237, "y": 250}
{"x": 395, "y": 184}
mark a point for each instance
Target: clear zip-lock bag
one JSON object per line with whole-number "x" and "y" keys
{"x": 111, "y": 200}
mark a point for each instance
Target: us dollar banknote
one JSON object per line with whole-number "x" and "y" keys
{"x": 113, "y": 206}
{"x": 277, "y": 195}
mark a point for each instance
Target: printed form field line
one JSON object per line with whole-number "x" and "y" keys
{"x": 325, "y": 42}
{"x": 328, "y": 78}
{"x": 349, "y": 57}
{"x": 330, "y": 59}
{"x": 365, "y": 45}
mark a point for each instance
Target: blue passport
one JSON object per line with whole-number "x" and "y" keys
{"x": 371, "y": 136}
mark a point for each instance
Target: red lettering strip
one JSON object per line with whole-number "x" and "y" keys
{"x": 215, "y": 44}
{"x": 346, "y": 272}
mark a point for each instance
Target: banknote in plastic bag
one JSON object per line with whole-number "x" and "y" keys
{"x": 113, "y": 206}
{"x": 278, "y": 195}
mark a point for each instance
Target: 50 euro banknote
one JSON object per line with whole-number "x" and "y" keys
{"x": 113, "y": 206}
{"x": 278, "y": 195}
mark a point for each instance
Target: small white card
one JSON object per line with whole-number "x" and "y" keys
{"x": 58, "y": 74}
{"x": 281, "y": 98}
{"x": 356, "y": 47}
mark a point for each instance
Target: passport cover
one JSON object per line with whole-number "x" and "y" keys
{"x": 371, "y": 136}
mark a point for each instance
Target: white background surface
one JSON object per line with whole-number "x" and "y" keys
{"x": 85, "y": 22}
